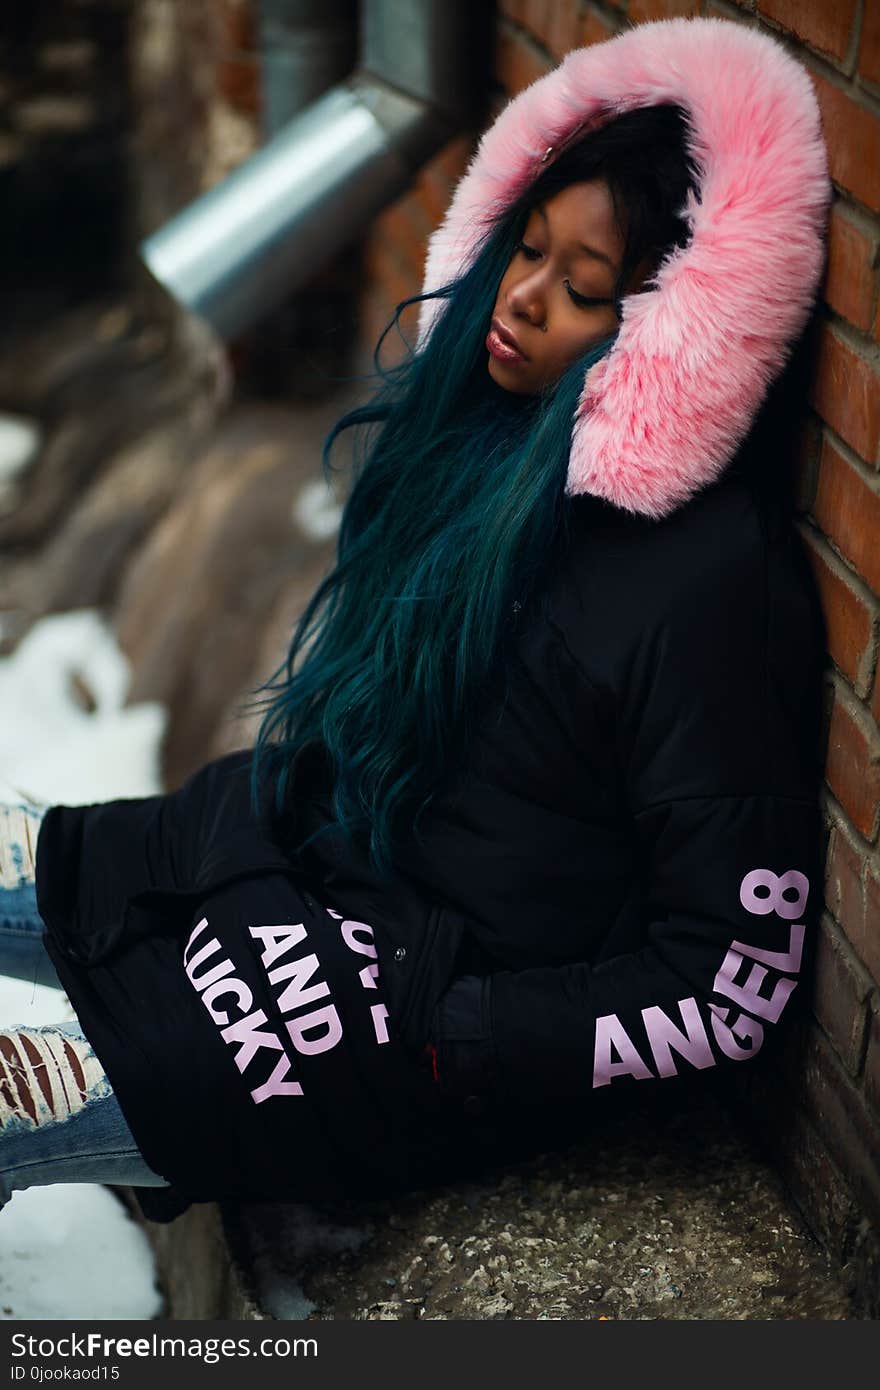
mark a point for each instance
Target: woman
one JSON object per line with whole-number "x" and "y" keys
{"x": 532, "y": 817}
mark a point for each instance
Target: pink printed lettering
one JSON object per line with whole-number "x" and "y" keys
{"x": 277, "y": 941}
{"x": 295, "y": 994}
{"x": 218, "y": 981}
{"x": 379, "y": 1014}
{"x": 349, "y": 933}
{"x": 276, "y": 1085}
{"x": 208, "y": 977}
{"x": 788, "y": 962}
{"x": 246, "y": 1031}
{"x": 326, "y": 1017}
{"x": 196, "y": 931}
{"x": 228, "y": 985}
{"x": 610, "y": 1032}
{"x": 749, "y": 1030}
{"x": 745, "y": 1035}
{"x": 776, "y": 886}
{"x": 304, "y": 1030}
{"x": 664, "y": 1035}
{"x": 747, "y": 995}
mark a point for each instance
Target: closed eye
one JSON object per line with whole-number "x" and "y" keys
{"x": 531, "y": 253}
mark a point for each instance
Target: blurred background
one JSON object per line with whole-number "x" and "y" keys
{"x": 195, "y": 267}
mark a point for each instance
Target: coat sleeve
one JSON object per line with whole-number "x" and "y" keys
{"x": 716, "y": 746}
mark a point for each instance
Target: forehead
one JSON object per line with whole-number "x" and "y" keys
{"x": 581, "y": 213}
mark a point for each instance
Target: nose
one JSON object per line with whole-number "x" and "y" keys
{"x": 525, "y": 299}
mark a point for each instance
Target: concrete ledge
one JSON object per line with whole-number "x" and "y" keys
{"x": 199, "y": 1276}
{"x": 675, "y": 1217}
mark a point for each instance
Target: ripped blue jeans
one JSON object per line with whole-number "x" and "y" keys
{"x": 59, "y": 1118}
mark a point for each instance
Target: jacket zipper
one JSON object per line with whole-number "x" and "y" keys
{"x": 415, "y": 982}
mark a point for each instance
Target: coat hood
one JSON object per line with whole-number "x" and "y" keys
{"x": 662, "y": 414}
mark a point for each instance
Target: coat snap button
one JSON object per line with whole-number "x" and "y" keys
{"x": 400, "y": 953}
{"x": 473, "y": 1105}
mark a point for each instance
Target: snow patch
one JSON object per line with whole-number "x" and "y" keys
{"x": 65, "y": 733}
{"x": 71, "y": 1250}
{"x": 20, "y": 440}
{"x": 32, "y": 1006}
{"x": 316, "y": 510}
{"x": 280, "y": 1239}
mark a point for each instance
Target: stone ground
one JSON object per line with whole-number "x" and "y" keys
{"x": 671, "y": 1218}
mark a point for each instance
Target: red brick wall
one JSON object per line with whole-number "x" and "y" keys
{"x": 394, "y": 249}
{"x": 835, "y": 1082}
{"x": 823, "y": 1111}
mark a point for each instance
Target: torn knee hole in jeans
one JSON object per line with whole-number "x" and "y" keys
{"x": 44, "y": 1075}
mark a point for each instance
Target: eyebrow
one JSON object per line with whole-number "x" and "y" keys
{"x": 590, "y": 250}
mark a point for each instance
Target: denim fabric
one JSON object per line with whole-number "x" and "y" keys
{"x": 93, "y": 1143}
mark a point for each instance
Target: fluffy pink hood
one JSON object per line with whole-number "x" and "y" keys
{"x": 663, "y": 413}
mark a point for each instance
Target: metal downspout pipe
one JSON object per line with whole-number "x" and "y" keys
{"x": 265, "y": 230}
{"x": 305, "y": 47}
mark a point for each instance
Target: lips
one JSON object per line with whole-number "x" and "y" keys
{"x": 501, "y": 343}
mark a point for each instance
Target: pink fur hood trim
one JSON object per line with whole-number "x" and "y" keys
{"x": 661, "y": 415}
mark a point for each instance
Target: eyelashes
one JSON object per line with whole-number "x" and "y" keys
{"x": 531, "y": 254}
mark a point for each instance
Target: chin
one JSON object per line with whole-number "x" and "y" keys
{"x": 514, "y": 387}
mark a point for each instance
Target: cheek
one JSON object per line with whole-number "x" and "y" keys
{"x": 560, "y": 355}
{"x": 580, "y": 340}
{"x": 507, "y": 280}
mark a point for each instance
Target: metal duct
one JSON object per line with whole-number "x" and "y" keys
{"x": 270, "y": 225}
{"x": 305, "y": 47}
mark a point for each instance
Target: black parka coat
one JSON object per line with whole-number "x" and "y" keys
{"x": 622, "y": 883}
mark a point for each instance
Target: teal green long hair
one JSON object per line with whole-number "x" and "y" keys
{"x": 456, "y": 508}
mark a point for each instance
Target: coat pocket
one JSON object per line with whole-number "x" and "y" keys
{"x": 417, "y": 941}
{"x": 418, "y": 953}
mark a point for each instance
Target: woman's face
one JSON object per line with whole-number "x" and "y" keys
{"x": 571, "y": 249}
